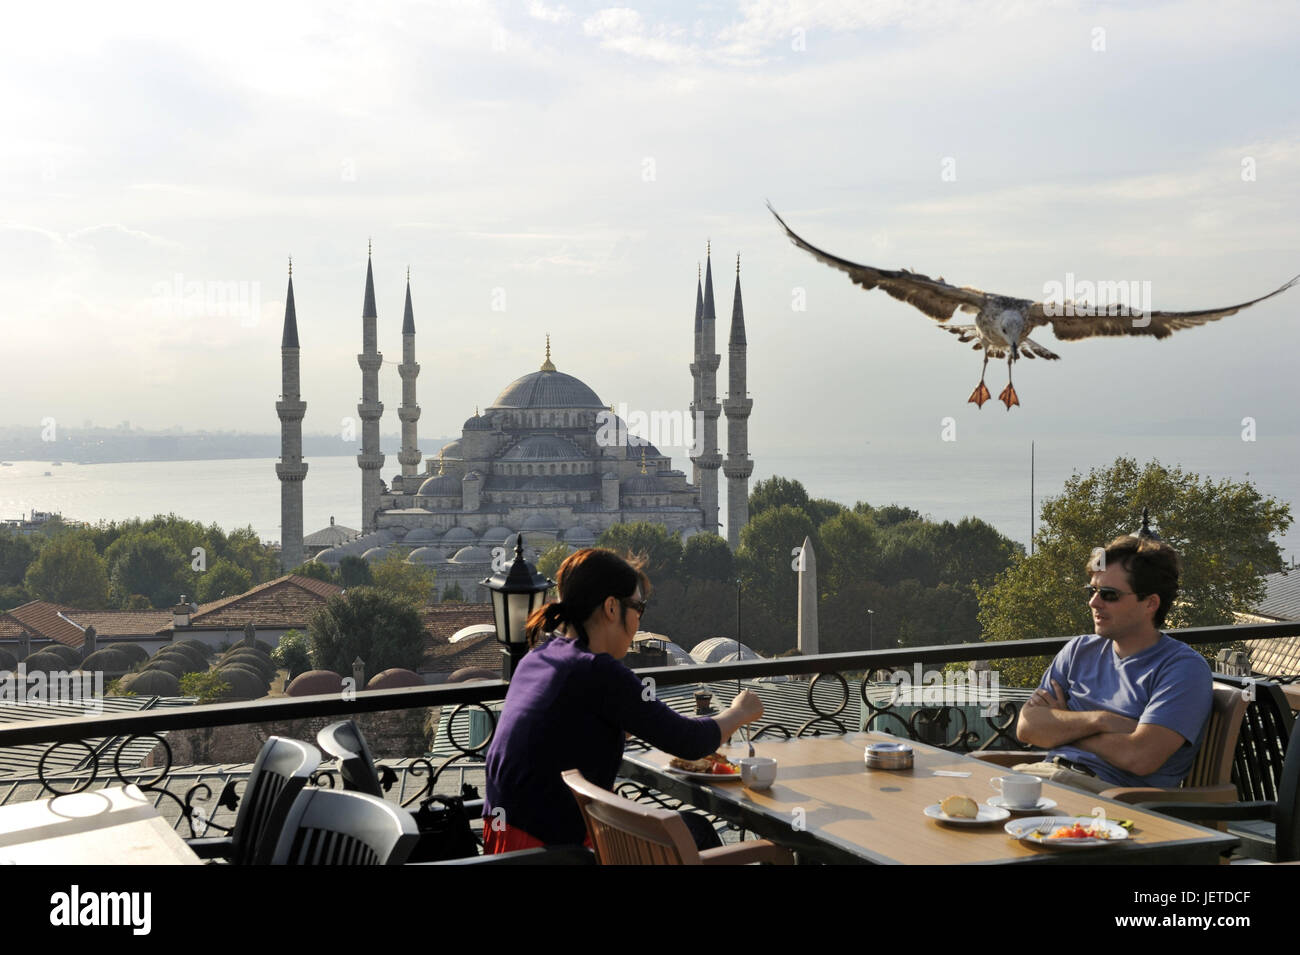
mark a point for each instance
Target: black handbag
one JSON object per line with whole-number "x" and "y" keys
{"x": 444, "y": 830}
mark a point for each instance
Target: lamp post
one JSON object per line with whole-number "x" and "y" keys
{"x": 516, "y": 592}
{"x": 871, "y": 634}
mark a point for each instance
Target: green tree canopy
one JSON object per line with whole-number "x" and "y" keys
{"x": 222, "y": 579}
{"x": 317, "y": 571}
{"x": 150, "y": 564}
{"x": 68, "y": 571}
{"x": 1223, "y": 532}
{"x": 775, "y": 492}
{"x": 355, "y": 572}
{"x": 413, "y": 583}
{"x": 293, "y": 653}
{"x": 707, "y": 557}
{"x": 17, "y": 551}
{"x": 549, "y": 561}
{"x": 380, "y": 628}
{"x": 660, "y": 546}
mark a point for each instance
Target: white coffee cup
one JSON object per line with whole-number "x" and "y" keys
{"x": 757, "y": 772}
{"x": 1019, "y": 791}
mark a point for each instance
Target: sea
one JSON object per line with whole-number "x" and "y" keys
{"x": 942, "y": 480}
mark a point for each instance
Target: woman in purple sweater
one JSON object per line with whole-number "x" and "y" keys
{"x": 571, "y": 703}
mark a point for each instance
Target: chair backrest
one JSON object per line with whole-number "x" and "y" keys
{"x": 1262, "y": 746}
{"x": 1287, "y": 819}
{"x": 279, "y": 774}
{"x": 627, "y": 833}
{"x": 1213, "y": 763}
{"x": 331, "y": 827}
{"x": 344, "y": 741}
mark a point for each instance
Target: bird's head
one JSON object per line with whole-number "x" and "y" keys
{"x": 1011, "y": 326}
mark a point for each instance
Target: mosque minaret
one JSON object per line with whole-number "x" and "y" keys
{"x": 707, "y": 360}
{"x": 371, "y": 459}
{"x": 738, "y": 467}
{"x": 291, "y": 469}
{"x": 409, "y": 411}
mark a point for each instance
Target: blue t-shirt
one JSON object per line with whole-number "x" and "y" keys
{"x": 1167, "y": 684}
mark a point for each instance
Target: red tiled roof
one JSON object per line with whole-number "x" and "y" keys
{"x": 441, "y": 621}
{"x": 288, "y": 601}
{"x": 123, "y": 623}
{"x": 42, "y": 619}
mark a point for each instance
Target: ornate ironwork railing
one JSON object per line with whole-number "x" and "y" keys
{"x": 945, "y": 724}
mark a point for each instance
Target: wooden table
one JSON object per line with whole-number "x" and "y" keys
{"x": 113, "y": 826}
{"x": 829, "y": 807}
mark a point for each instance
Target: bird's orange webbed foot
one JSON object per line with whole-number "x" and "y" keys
{"x": 1008, "y": 397}
{"x": 979, "y": 395}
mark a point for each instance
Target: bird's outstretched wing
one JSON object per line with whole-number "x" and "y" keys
{"x": 1156, "y": 324}
{"x": 934, "y": 297}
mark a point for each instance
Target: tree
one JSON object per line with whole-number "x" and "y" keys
{"x": 381, "y": 629}
{"x": 148, "y": 564}
{"x": 209, "y": 686}
{"x": 413, "y": 583}
{"x": 355, "y": 572}
{"x": 775, "y": 492}
{"x": 548, "y": 563}
{"x": 17, "y": 551}
{"x": 769, "y": 600}
{"x": 707, "y": 557}
{"x": 1222, "y": 531}
{"x": 293, "y": 653}
{"x": 661, "y": 548}
{"x": 317, "y": 571}
{"x": 222, "y": 579}
{"x": 453, "y": 594}
{"x": 68, "y": 571}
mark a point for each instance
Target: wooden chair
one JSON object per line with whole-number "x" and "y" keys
{"x": 1210, "y": 778}
{"x": 1283, "y": 814}
{"x": 627, "y": 833}
{"x": 331, "y": 827}
{"x": 344, "y": 741}
{"x": 278, "y": 776}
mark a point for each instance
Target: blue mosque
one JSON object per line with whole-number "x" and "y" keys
{"x": 541, "y": 460}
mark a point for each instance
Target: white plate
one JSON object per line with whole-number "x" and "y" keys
{"x": 1044, "y": 804}
{"x": 986, "y": 815}
{"x": 704, "y": 777}
{"x": 1026, "y": 829}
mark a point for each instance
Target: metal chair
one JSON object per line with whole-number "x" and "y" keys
{"x": 329, "y": 827}
{"x": 344, "y": 741}
{"x": 627, "y": 833}
{"x": 279, "y": 774}
{"x": 1283, "y": 813}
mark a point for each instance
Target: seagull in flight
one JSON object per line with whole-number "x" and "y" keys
{"x": 1003, "y": 323}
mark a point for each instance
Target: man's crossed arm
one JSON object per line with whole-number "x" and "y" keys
{"x": 1138, "y": 748}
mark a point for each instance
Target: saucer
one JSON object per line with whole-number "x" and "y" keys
{"x": 1042, "y": 805}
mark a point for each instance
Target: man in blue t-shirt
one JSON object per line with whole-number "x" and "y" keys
{"x": 1126, "y": 706}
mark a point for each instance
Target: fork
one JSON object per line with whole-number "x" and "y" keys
{"x": 744, "y": 732}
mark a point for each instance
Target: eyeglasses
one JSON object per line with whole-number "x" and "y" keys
{"x": 637, "y": 605}
{"x": 1108, "y": 594}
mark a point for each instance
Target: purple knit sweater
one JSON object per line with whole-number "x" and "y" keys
{"x": 568, "y": 708}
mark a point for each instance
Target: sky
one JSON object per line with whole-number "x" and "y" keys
{"x": 547, "y": 168}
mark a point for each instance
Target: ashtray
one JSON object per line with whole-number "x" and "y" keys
{"x": 889, "y": 756}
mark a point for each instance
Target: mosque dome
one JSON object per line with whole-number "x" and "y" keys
{"x": 472, "y": 555}
{"x": 451, "y": 450}
{"x": 151, "y": 683}
{"x": 426, "y": 555}
{"x": 441, "y": 485}
{"x": 459, "y": 535}
{"x": 421, "y": 535}
{"x": 539, "y": 522}
{"x": 375, "y": 553}
{"x": 315, "y": 683}
{"x": 544, "y": 447}
{"x": 547, "y": 389}
{"x": 394, "y": 678}
{"x": 478, "y": 423}
{"x": 495, "y": 534}
{"x": 579, "y": 535}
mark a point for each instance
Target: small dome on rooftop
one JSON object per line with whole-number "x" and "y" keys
{"x": 394, "y": 678}
{"x": 315, "y": 683}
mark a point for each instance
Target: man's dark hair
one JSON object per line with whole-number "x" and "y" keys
{"x": 1152, "y": 567}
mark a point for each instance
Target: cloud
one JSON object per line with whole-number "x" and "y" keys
{"x": 623, "y": 30}
{"x": 540, "y": 11}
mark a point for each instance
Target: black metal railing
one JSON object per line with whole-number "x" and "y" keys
{"x": 826, "y": 669}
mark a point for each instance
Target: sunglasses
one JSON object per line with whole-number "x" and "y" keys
{"x": 1108, "y": 594}
{"x": 637, "y": 605}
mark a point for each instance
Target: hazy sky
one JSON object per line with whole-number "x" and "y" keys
{"x": 547, "y": 168}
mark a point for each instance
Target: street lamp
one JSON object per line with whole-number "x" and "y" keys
{"x": 871, "y": 635}
{"x": 516, "y": 593}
